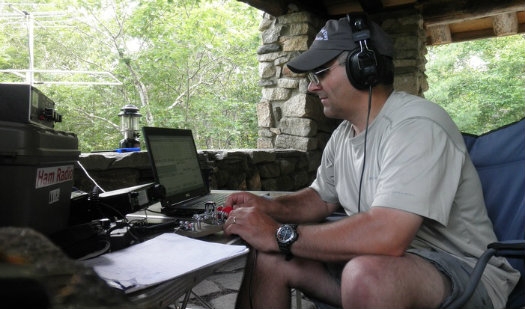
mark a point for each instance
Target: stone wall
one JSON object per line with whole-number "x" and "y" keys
{"x": 246, "y": 169}
{"x": 292, "y": 128}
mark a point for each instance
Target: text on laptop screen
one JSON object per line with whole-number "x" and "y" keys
{"x": 175, "y": 162}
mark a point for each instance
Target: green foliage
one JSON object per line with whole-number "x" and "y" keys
{"x": 480, "y": 83}
{"x": 192, "y": 64}
{"x": 184, "y": 64}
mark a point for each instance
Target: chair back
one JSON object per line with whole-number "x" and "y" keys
{"x": 499, "y": 157}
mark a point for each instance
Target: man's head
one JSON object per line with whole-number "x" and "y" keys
{"x": 370, "y": 49}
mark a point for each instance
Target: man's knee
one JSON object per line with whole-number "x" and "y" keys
{"x": 365, "y": 282}
{"x": 272, "y": 265}
{"x": 361, "y": 276}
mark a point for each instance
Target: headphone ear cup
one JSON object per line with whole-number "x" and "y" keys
{"x": 352, "y": 71}
{"x": 361, "y": 69}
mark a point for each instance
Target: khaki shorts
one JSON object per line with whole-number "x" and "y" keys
{"x": 456, "y": 270}
{"x": 459, "y": 273}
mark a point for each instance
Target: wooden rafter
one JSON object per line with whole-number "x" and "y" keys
{"x": 445, "y": 21}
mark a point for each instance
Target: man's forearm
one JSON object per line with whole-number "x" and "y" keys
{"x": 304, "y": 206}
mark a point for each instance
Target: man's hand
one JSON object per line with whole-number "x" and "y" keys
{"x": 247, "y": 199}
{"x": 253, "y": 226}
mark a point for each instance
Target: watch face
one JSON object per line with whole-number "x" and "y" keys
{"x": 285, "y": 234}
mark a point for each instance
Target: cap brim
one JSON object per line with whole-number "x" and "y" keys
{"x": 312, "y": 59}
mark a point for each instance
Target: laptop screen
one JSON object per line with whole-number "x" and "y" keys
{"x": 175, "y": 163}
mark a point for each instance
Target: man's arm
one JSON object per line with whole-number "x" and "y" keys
{"x": 304, "y": 206}
{"x": 379, "y": 231}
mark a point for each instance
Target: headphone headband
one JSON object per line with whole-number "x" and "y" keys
{"x": 361, "y": 64}
{"x": 359, "y": 26}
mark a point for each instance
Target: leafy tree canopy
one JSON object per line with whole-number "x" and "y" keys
{"x": 184, "y": 64}
{"x": 480, "y": 83}
{"x": 192, "y": 64}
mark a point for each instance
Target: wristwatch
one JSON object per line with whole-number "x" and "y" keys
{"x": 286, "y": 235}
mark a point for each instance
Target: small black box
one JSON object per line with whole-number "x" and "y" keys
{"x": 26, "y": 104}
{"x": 36, "y": 168}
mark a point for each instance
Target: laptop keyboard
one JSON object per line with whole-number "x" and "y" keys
{"x": 218, "y": 198}
{"x": 195, "y": 206}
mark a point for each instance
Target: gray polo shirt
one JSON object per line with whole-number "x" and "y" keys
{"x": 416, "y": 161}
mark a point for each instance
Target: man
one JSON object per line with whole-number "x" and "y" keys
{"x": 398, "y": 166}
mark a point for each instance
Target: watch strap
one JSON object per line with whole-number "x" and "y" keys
{"x": 286, "y": 248}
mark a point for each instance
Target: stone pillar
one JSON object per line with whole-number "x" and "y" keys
{"x": 406, "y": 29}
{"x": 288, "y": 117}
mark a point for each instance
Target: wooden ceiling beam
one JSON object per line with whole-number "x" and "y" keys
{"x": 338, "y": 8}
{"x": 505, "y": 24}
{"x": 439, "y": 34}
{"x": 438, "y": 12}
{"x": 274, "y": 8}
{"x": 445, "y": 21}
{"x": 371, "y": 6}
{"x": 472, "y": 35}
{"x": 393, "y": 3}
{"x": 282, "y": 7}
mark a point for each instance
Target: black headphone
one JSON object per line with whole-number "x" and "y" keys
{"x": 361, "y": 64}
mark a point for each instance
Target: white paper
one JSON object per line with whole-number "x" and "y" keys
{"x": 162, "y": 258}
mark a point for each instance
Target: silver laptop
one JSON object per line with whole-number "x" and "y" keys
{"x": 175, "y": 163}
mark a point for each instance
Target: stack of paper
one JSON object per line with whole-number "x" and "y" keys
{"x": 160, "y": 259}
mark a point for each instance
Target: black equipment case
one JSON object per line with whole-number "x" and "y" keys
{"x": 36, "y": 167}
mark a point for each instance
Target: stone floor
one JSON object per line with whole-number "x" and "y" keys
{"x": 219, "y": 291}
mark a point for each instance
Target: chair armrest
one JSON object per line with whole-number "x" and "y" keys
{"x": 509, "y": 248}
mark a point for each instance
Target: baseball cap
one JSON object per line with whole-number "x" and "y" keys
{"x": 334, "y": 38}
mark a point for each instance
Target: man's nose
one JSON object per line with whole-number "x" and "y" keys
{"x": 313, "y": 87}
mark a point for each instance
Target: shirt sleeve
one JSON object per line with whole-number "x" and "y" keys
{"x": 324, "y": 182}
{"x": 420, "y": 170}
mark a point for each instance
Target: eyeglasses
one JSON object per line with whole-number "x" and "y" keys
{"x": 314, "y": 77}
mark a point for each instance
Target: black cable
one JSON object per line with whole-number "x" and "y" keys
{"x": 105, "y": 249}
{"x": 119, "y": 214}
{"x": 118, "y": 225}
{"x": 364, "y": 148}
{"x": 151, "y": 210}
{"x": 250, "y": 292}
